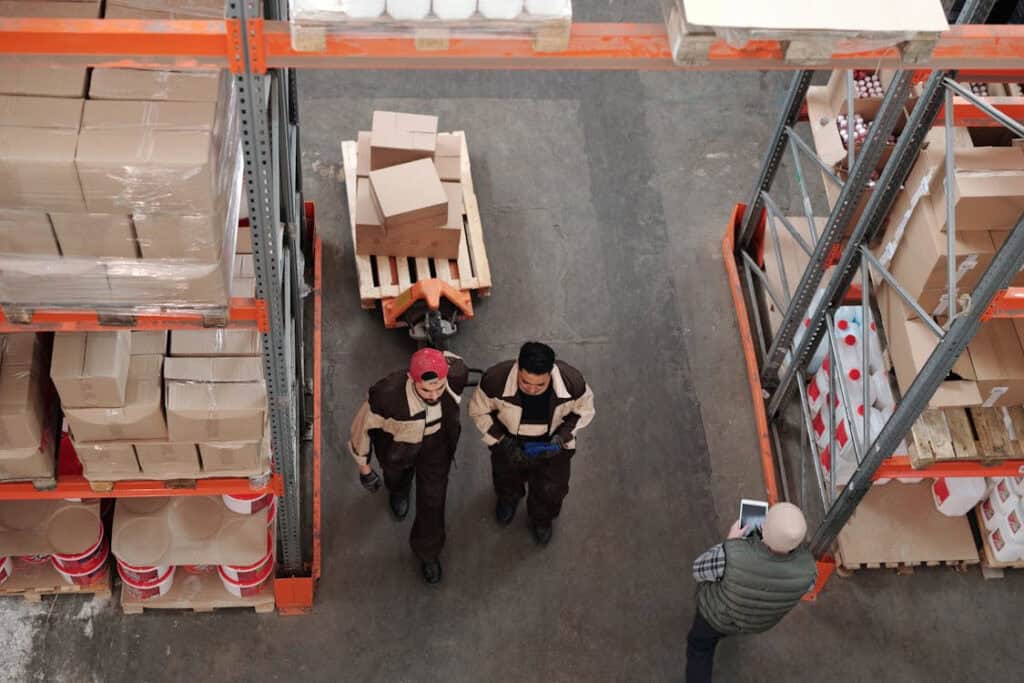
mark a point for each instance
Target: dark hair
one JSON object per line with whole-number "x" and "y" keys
{"x": 428, "y": 375}
{"x": 536, "y": 358}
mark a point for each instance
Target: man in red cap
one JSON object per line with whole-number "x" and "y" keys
{"x": 410, "y": 421}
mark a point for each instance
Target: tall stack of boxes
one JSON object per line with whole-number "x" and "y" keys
{"x": 27, "y": 428}
{"x": 408, "y": 188}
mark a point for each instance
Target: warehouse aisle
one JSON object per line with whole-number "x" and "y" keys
{"x": 603, "y": 200}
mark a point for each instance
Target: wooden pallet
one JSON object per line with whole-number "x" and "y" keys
{"x": 549, "y": 34}
{"x": 385, "y": 277}
{"x": 896, "y": 526}
{"x": 992, "y": 568}
{"x": 211, "y": 317}
{"x": 983, "y": 434}
{"x": 40, "y": 483}
{"x": 199, "y": 593}
{"x": 33, "y": 581}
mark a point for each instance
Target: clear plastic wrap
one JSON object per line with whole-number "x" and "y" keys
{"x": 27, "y": 408}
{"x": 431, "y": 21}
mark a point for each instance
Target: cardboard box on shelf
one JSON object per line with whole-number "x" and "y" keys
{"x": 215, "y": 399}
{"x": 108, "y": 461}
{"x": 149, "y": 343}
{"x": 398, "y": 138}
{"x": 46, "y": 81}
{"x": 998, "y": 360}
{"x": 245, "y": 266}
{"x": 197, "y": 238}
{"x": 44, "y": 527}
{"x": 148, "y": 84}
{"x": 448, "y": 157}
{"x": 148, "y": 157}
{"x": 140, "y": 418}
{"x": 27, "y": 233}
{"x": 989, "y": 189}
{"x": 22, "y": 464}
{"x": 38, "y": 137}
{"x": 244, "y": 243}
{"x": 90, "y": 369}
{"x": 161, "y": 460}
{"x": 369, "y": 226}
{"x": 363, "y": 154}
{"x": 409, "y": 193}
{"x": 234, "y": 459}
{"x": 208, "y": 343}
{"x": 173, "y": 9}
{"x": 22, "y": 406}
{"x": 243, "y": 287}
{"x": 95, "y": 235}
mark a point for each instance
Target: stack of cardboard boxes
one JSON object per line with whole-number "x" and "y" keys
{"x": 140, "y": 406}
{"x": 409, "y": 189}
{"x": 27, "y": 409}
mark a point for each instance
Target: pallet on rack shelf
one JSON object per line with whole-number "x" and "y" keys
{"x": 178, "y": 483}
{"x": 33, "y": 581}
{"x": 199, "y": 593}
{"x": 976, "y": 434}
{"x": 896, "y": 526}
{"x": 385, "y": 277}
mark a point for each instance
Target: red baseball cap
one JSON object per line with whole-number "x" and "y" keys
{"x": 427, "y": 360}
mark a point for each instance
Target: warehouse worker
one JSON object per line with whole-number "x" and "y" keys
{"x": 411, "y": 423}
{"x": 748, "y": 584}
{"x": 529, "y": 412}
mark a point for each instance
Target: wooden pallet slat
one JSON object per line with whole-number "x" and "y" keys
{"x": 993, "y": 440}
{"x": 199, "y": 593}
{"x": 964, "y": 445}
{"x": 34, "y": 581}
{"x": 932, "y": 439}
{"x": 367, "y": 290}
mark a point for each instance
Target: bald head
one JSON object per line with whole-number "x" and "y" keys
{"x": 784, "y": 527}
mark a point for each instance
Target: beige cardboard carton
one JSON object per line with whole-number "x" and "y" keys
{"x": 448, "y": 158}
{"x": 90, "y": 369}
{"x": 399, "y": 138}
{"x": 95, "y": 235}
{"x": 244, "y": 243}
{"x": 163, "y": 460}
{"x": 235, "y": 459}
{"x": 108, "y": 461}
{"x": 140, "y": 418}
{"x": 46, "y": 80}
{"x": 27, "y": 233}
{"x": 409, "y": 193}
{"x": 363, "y": 155}
{"x": 22, "y": 408}
{"x": 146, "y": 84}
{"x": 998, "y": 361}
{"x": 187, "y": 343}
{"x": 197, "y": 238}
{"x": 149, "y": 342}
{"x": 215, "y": 399}
{"x": 44, "y": 527}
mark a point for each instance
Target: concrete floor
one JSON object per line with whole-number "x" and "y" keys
{"x": 604, "y": 198}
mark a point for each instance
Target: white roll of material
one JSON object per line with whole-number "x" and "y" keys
{"x": 454, "y": 9}
{"x": 408, "y": 10}
{"x": 547, "y": 8}
{"x": 501, "y": 9}
{"x": 364, "y": 9}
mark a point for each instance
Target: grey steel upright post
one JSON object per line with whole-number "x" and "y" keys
{"x": 264, "y": 215}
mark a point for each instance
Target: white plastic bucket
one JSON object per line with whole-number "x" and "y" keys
{"x": 1003, "y": 497}
{"x": 6, "y": 569}
{"x": 34, "y": 559}
{"x": 1002, "y": 549}
{"x": 73, "y": 563}
{"x": 1017, "y": 485}
{"x": 88, "y": 573}
{"x": 272, "y": 514}
{"x": 147, "y": 590}
{"x": 142, "y": 575}
{"x": 1013, "y": 527}
{"x": 247, "y": 589}
{"x": 501, "y": 9}
{"x": 248, "y": 573}
{"x": 248, "y": 504}
{"x": 955, "y": 497}
{"x": 454, "y": 9}
{"x": 989, "y": 515}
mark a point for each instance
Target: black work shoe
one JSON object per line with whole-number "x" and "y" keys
{"x": 399, "y": 505}
{"x": 505, "y": 512}
{"x": 541, "y": 533}
{"x": 431, "y": 572}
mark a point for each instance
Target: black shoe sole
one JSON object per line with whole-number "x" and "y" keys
{"x": 398, "y": 517}
{"x": 540, "y": 541}
{"x": 428, "y": 580}
{"x": 506, "y": 522}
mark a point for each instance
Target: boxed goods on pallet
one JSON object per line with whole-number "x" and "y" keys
{"x": 164, "y": 9}
{"x": 432, "y": 23}
{"x": 215, "y": 399}
{"x": 140, "y": 417}
{"x": 119, "y": 203}
{"x": 810, "y": 34}
{"x": 154, "y": 85}
{"x": 27, "y": 415}
{"x": 46, "y": 80}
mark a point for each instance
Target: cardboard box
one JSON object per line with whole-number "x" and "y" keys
{"x": 998, "y": 360}
{"x": 43, "y": 527}
{"x": 149, "y": 342}
{"x": 409, "y": 193}
{"x": 448, "y": 157}
{"x": 244, "y": 241}
{"x": 162, "y": 460}
{"x": 90, "y": 369}
{"x": 95, "y": 235}
{"x": 45, "y": 81}
{"x": 27, "y": 232}
{"x": 172, "y": 9}
{"x": 998, "y": 238}
{"x": 399, "y": 138}
{"x": 196, "y": 239}
{"x": 369, "y": 226}
{"x": 209, "y": 343}
{"x": 22, "y": 404}
{"x": 108, "y": 461}
{"x": 232, "y": 458}
{"x": 989, "y": 189}
{"x": 245, "y": 266}
{"x": 363, "y": 154}
{"x": 38, "y": 137}
{"x": 28, "y": 463}
{"x": 168, "y": 282}
{"x": 146, "y": 84}
{"x": 49, "y": 281}
{"x": 148, "y": 157}
{"x": 215, "y": 399}
{"x": 409, "y": 239}
{"x": 140, "y": 418}
{"x": 243, "y": 287}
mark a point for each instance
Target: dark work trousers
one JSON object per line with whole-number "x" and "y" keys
{"x": 430, "y": 471}
{"x": 548, "y": 481}
{"x": 700, "y": 650}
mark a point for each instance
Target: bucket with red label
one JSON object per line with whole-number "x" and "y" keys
{"x": 271, "y": 514}
{"x": 247, "y": 589}
{"x": 75, "y": 563}
{"x": 199, "y": 569}
{"x": 149, "y": 588}
{"x": 248, "y": 503}
{"x": 140, "y": 574}
{"x": 6, "y": 569}
{"x": 1003, "y": 498}
{"x": 34, "y": 559}
{"x": 85, "y": 572}
{"x": 248, "y": 573}
{"x": 989, "y": 514}
{"x": 1003, "y": 549}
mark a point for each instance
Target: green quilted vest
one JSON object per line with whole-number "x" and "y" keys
{"x": 758, "y": 589}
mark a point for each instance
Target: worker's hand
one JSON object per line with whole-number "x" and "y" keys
{"x": 512, "y": 448}
{"x": 737, "y": 531}
{"x": 556, "y": 440}
{"x": 370, "y": 481}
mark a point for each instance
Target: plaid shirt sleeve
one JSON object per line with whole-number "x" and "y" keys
{"x": 711, "y": 565}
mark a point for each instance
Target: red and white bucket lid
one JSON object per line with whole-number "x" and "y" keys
{"x": 247, "y": 503}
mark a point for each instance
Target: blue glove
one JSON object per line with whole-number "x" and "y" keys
{"x": 539, "y": 449}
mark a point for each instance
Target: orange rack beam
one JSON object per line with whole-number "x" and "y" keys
{"x": 1008, "y": 303}
{"x": 603, "y": 46}
{"x": 898, "y": 466}
{"x": 76, "y": 486}
{"x": 243, "y": 313}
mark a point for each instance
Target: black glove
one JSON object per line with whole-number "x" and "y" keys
{"x": 371, "y": 481}
{"x": 512, "y": 448}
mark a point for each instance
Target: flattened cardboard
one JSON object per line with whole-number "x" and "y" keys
{"x": 448, "y": 157}
{"x": 44, "y": 527}
{"x": 234, "y": 459}
{"x": 998, "y": 361}
{"x": 363, "y": 154}
{"x": 400, "y": 138}
{"x": 215, "y": 399}
{"x": 149, "y": 342}
{"x": 409, "y": 193}
{"x": 140, "y": 418}
{"x": 146, "y": 84}
{"x": 38, "y": 137}
{"x": 90, "y": 369}
{"x": 185, "y": 343}
{"x": 163, "y": 460}
{"x": 108, "y": 461}
{"x": 186, "y": 530}
{"x": 95, "y": 235}
{"x": 27, "y": 233}
{"x": 198, "y": 238}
